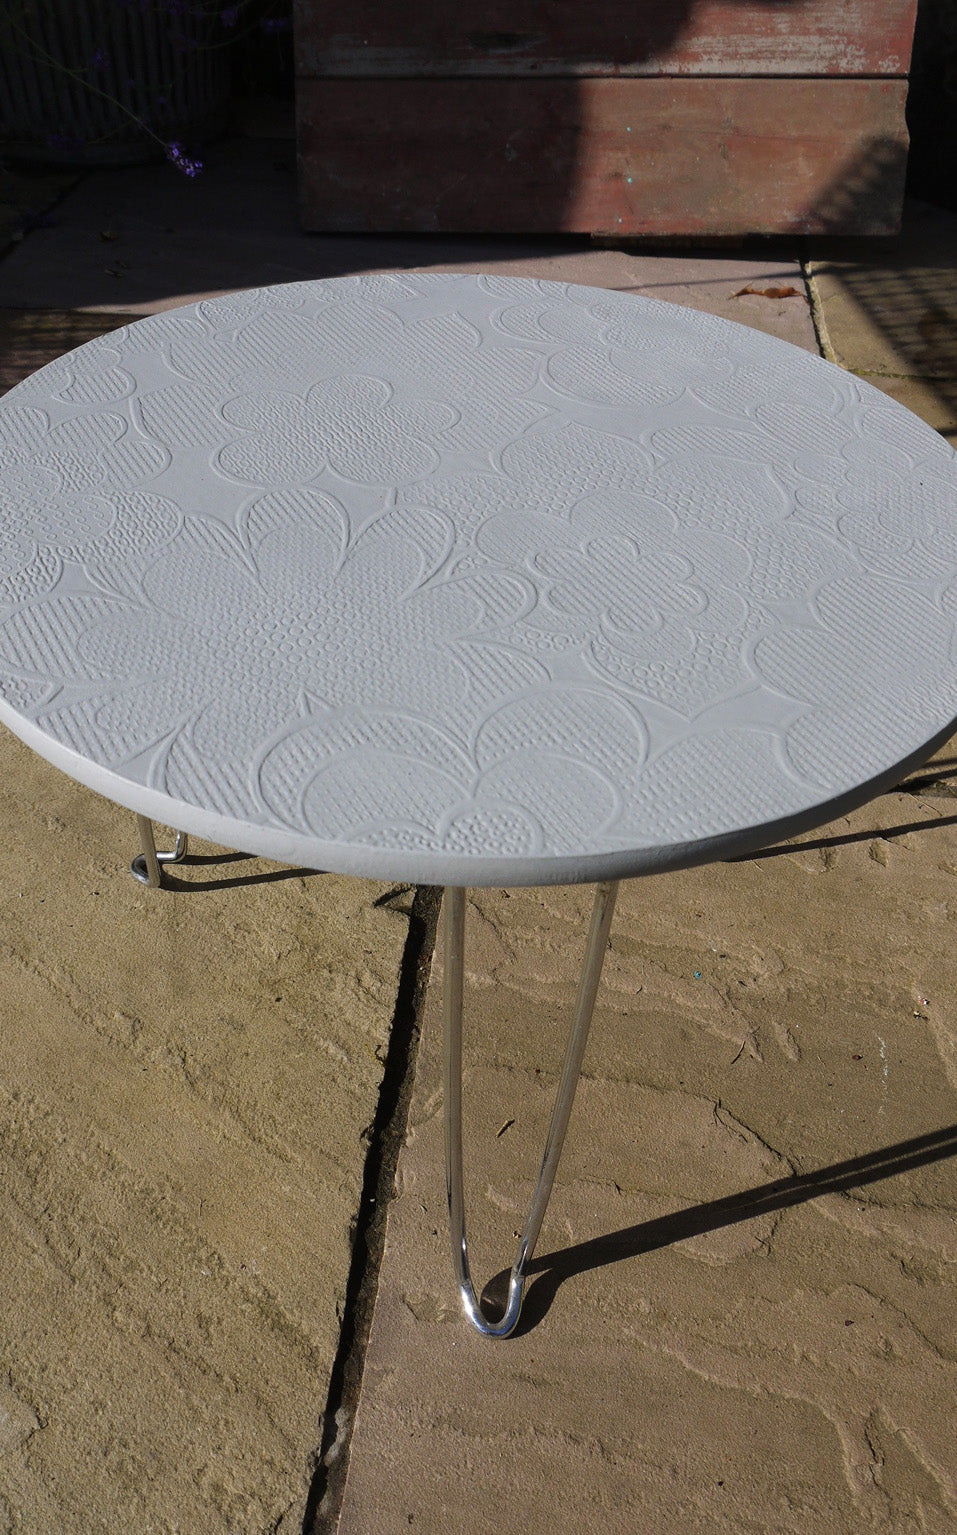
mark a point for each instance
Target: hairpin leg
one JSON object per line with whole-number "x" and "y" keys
{"x": 574, "y": 1051}
{"x": 147, "y": 866}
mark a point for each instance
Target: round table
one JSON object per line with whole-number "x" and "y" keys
{"x": 473, "y": 581}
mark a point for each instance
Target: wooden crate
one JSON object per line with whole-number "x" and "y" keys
{"x": 662, "y": 118}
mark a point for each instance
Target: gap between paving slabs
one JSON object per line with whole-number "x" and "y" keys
{"x": 386, "y": 1135}
{"x": 937, "y": 778}
{"x": 884, "y": 311}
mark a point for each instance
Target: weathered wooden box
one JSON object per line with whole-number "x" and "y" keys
{"x": 654, "y": 117}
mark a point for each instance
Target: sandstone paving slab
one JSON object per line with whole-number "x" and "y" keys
{"x": 141, "y": 239}
{"x": 888, "y": 311}
{"x": 766, "y": 292}
{"x": 891, "y": 304}
{"x": 26, "y": 198}
{"x": 744, "y": 1309}
{"x": 186, "y": 1083}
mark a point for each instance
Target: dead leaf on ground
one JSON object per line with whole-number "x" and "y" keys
{"x": 788, "y": 292}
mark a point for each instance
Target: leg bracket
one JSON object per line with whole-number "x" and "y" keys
{"x": 148, "y": 866}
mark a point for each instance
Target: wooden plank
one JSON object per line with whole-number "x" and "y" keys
{"x": 437, "y": 38}
{"x": 619, "y": 157}
{"x": 29, "y": 338}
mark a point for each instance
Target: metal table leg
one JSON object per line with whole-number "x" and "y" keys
{"x": 454, "y": 915}
{"x": 148, "y": 866}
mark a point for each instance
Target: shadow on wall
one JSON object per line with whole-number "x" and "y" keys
{"x": 516, "y": 116}
{"x": 869, "y": 183}
{"x": 434, "y": 39}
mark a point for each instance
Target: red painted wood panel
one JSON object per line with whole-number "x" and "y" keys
{"x": 603, "y": 37}
{"x": 611, "y": 156}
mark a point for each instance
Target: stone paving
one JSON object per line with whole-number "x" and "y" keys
{"x": 743, "y": 1312}
{"x": 888, "y": 311}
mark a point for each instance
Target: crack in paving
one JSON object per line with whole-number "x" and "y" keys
{"x": 386, "y": 1137}
{"x": 817, "y": 308}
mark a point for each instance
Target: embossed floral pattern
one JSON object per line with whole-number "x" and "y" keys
{"x": 471, "y": 579}
{"x": 352, "y": 425}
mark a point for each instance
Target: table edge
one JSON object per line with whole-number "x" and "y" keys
{"x": 416, "y": 867}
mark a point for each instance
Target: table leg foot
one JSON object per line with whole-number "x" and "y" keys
{"x": 597, "y": 943}
{"x": 148, "y": 866}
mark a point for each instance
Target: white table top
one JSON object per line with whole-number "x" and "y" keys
{"x": 472, "y": 580}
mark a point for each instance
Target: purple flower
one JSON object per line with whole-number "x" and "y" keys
{"x": 229, "y": 15}
{"x": 275, "y": 23}
{"x": 178, "y": 156}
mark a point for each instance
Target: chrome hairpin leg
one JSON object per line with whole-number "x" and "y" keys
{"x": 148, "y": 866}
{"x": 574, "y": 1051}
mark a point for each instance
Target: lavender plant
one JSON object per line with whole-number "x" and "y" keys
{"x": 107, "y": 79}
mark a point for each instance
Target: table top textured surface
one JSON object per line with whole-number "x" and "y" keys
{"x": 472, "y": 580}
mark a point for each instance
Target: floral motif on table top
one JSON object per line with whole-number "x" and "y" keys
{"x": 456, "y": 567}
